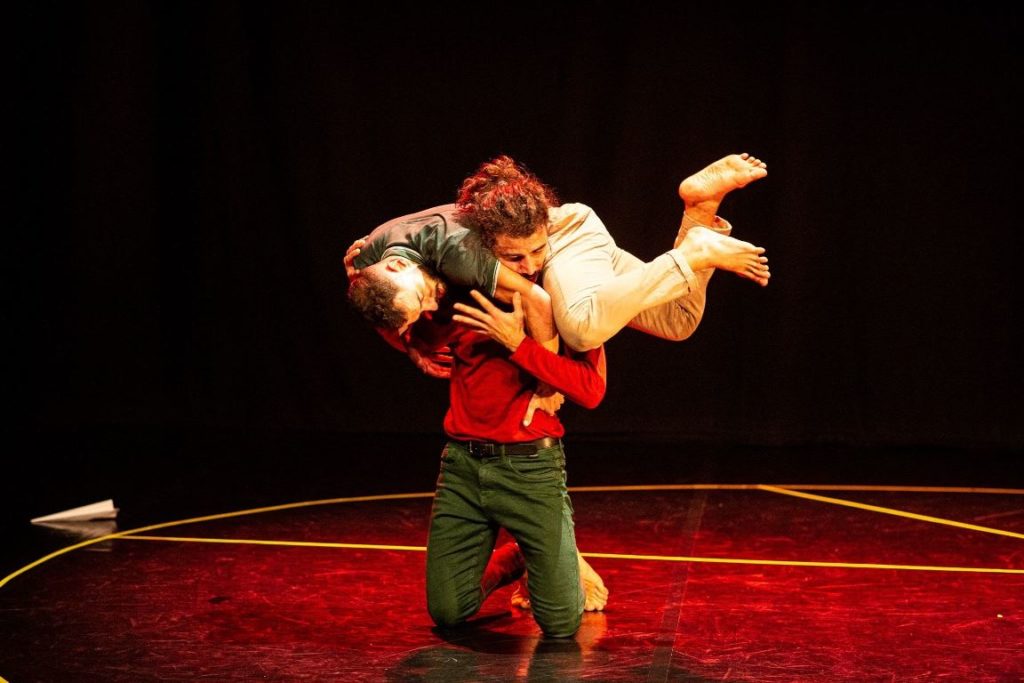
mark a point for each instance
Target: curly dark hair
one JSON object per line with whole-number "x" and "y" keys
{"x": 504, "y": 198}
{"x": 373, "y": 295}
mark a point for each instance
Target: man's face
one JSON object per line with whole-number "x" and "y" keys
{"x": 524, "y": 255}
{"x": 419, "y": 290}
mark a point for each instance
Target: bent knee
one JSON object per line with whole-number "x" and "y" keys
{"x": 448, "y": 610}
{"x": 582, "y": 338}
{"x": 561, "y": 620}
{"x": 677, "y": 335}
{"x": 561, "y": 628}
{"x": 445, "y": 616}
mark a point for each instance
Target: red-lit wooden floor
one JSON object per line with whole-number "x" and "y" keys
{"x": 707, "y": 584}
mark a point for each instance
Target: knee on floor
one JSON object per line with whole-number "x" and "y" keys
{"x": 562, "y": 627}
{"x": 446, "y": 613}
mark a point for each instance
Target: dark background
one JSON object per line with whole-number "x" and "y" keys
{"x": 188, "y": 176}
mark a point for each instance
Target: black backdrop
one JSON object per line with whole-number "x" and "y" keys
{"x": 188, "y": 176}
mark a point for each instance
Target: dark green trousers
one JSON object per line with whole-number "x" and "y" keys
{"x": 526, "y": 496}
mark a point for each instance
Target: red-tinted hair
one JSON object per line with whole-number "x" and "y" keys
{"x": 504, "y": 198}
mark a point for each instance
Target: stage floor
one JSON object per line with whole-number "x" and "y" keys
{"x": 708, "y": 582}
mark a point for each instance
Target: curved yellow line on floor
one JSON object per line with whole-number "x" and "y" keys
{"x": 791, "y": 489}
{"x": 209, "y": 518}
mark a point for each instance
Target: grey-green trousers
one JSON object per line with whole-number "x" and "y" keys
{"x": 525, "y": 495}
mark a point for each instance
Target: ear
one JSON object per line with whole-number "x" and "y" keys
{"x": 396, "y": 263}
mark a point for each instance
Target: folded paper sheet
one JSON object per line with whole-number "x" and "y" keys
{"x": 103, "y": 510}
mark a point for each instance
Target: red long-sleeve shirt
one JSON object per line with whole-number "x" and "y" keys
{"x": 491, "y": 387}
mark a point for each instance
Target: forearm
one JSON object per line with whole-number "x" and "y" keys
{"x": 582, "y": 380}
{"x": 540, "y": 321}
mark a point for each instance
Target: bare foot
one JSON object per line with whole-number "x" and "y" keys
{"x": 704, "y": 248}
{"x": 703, "y": 192}
{"x": 593, "y": 588}
{"x": 521, "y": 594}
{"x": 594, "y": 591}
{"x": 713, "y": 182}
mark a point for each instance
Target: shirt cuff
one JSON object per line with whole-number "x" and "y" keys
{"x": 524, "y": 351}
{"x": 494, "y": 279}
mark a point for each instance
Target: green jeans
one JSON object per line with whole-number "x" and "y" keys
{"x": 475, "y": 497}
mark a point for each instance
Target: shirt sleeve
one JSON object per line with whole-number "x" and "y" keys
{"x": 434, "y": 239}
{"x": 460, "y": 258}
{"x": 581, "y": 378}
{"x": 372, "y": 251}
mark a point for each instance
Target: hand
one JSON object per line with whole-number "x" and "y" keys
{"x": 504, "y": 328}
{"x": 544, "y": 389}
{"x": 350, "y": 270}
{"x": 436, "y": 363}
{"x": 549, "y": 404}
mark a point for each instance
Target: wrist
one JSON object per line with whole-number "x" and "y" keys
{"x": 515, "y": 342}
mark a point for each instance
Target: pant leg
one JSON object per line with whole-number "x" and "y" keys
{"x": 528, "y": 497}
{"x": 591, "y": 297}
{"x": 460, "y": 542}
{"x": 678, "y": 319}
{"x": 675, "y": 320}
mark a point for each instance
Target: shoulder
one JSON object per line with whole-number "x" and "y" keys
{"x": 567, "y": 215}
{"x": 436, "y": 215}
{"x": 569, "y": 208}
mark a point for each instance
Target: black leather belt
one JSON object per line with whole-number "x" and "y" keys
{"x": 522, "y": 449}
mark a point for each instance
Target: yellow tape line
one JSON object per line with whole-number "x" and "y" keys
{"x": 607, "y": 556}
{"x": 789, "y": 490}
{"x": 300, "y": 544}
{"x": 208, "y": 518}
{"x": 795, "y": 487}
{"x": 797, "y": 563}
{"x": 889, "y": 511}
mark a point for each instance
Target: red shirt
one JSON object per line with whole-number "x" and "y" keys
{"x": 491, "y": 387}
